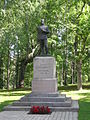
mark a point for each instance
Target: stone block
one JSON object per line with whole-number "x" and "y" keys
{"x": 44, "y": 67}
{"x": 44, "y": 76}
{"x": 44, "y": 86}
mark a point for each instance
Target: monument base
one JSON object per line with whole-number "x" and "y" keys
{"x": 44, "y": 90}
{"x": 44, "y": 79}
{"x": 42, "y": 86}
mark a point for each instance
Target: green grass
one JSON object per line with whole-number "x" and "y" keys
{"x": 7, "y": 97}
{"x": 84, "y": 102}
{"x": 83, "y": 96}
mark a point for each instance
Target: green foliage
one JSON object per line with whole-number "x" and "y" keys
{"x": 68, "y": 41}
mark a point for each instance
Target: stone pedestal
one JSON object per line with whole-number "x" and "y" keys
{"x": 44, "y": 90}
{"x": 44, "y": 78}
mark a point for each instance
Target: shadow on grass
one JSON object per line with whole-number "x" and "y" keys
{"x": 87, "y": 96}
{"x": 68, "y": 88}
{"x": 13, "y": 94}
{"x": 73, "y": 87}
{"x": 5, "y": 103}
{"x": 21, "y": 89}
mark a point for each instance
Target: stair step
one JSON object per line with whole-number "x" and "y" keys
{"x": 44, "y": 99}
{"x": 56, "y": 94}
{"x": 74, "y": 108}
{"x": 50, "y": 104}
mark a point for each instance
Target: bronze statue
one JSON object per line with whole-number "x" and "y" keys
{"x": 42, "y": 37}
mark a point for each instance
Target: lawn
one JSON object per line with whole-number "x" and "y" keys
{"x": 84, "y": 99}
{"x": 7, "y": 97}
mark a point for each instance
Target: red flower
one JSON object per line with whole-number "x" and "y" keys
{"x": 40, "y": 109}
{"x": 48, "y": 109}
{"x": 35, "y": 110}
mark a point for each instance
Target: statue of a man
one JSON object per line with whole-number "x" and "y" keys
{"x": 42, "y": 37}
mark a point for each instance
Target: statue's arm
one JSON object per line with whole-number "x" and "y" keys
{"x": 47, "y": 30}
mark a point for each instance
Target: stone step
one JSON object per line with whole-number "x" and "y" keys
{"x": 74, "y": 107}
{"x": 50, "y": 104}
{"x": 36, "y": 94}
{"x": 43, "y": 99}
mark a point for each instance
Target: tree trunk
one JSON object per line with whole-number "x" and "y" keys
{"x": 66, "y": 58}
{"x": 65, "y": 79}
{"x": 79, "y": 74}
{"x": 8, "y": 70}
{"x": 24, "y": 63}
{"x": 1, "y": 73}
{"x": 89, "y": 70}
{"x": 22, "y": 71}
{"x": 62, "y": 75}
{"x": 65, "y": 69}
{"x": 17, "y": 71}
{"x": 75, "y": 53}
{"x": 72, "y": 69}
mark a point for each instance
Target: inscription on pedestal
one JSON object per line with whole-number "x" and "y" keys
{"x": 44, "y": 68}
{"x": 44, "y": 79}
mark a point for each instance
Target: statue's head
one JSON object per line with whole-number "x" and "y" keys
{"x": 42, "y": 21}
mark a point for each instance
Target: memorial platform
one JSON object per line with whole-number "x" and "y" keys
{"x": 45, "y": 92}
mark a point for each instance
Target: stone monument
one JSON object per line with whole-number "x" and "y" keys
{"x": 44, "y": 87}
{"x": 44, "y": 78}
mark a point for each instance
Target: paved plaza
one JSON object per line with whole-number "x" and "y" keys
{"x": 23, "y": 115}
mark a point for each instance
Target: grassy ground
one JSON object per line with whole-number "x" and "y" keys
{"x": 7, "y": 97}
{"x": 84, "y": 99}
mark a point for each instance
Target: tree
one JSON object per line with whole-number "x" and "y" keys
{"x": 68, "y": 40}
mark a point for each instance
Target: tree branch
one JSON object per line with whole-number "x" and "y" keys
{"x": 81, "y": 10}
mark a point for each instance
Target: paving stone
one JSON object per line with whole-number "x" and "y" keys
{"x": 70, "y": 116}
{"x": 23, "y": 115}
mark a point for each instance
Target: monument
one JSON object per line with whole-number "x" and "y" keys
{"x": 44, "y": 78}
{"x": 44, "y": 85}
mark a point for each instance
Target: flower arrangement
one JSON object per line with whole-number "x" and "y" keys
{"x": 40, "y": 110}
